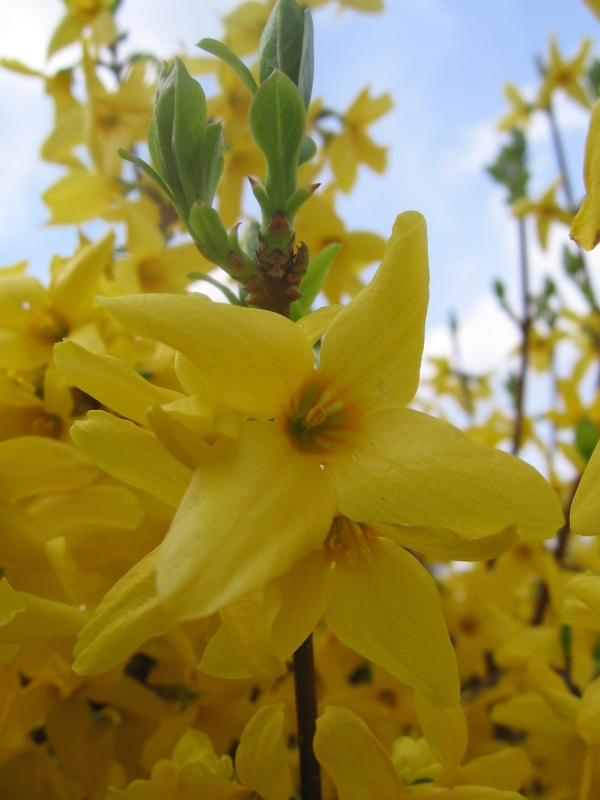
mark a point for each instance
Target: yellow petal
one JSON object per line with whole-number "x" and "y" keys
{"x": 238, "y": 525}
{"x": 42, "y": 619}
{"x": 586, "y": 225}
{"x": 303, "y": 590}
{"x": 587, "y": 589}
{"x": 128, "y": 616}
{"x": 261, "y": 758}
{"x": 585, "y": 510}
{"x": 445, "y": 544}
{"x": 386, "y": 606}
{"x": 588, "y": 722}
{"x": 111, "y": 382}
{"x": 73, "y": 285}
{"x": 10, "y": 603}
{"x": 78, "y": 197}
{"x": 220, "y": 657}
{"x": 358, "y": 765}
{"x": 134, "y": 456}
{"x": 209, "y": 788}
{"x": 255, "y": 360}
{"x": 314, "y": 325}
{"x": 506, "y": 770}
{"x": 372, "y": 350}
{"x": 407, "y": 467}
{"x": 32, "y": 465}
{"x": 248, "y": 621}
{"x": 445, "y": 731}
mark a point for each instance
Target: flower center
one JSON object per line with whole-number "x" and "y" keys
{"x": 316, "y": 419}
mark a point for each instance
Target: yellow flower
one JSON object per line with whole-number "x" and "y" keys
{"x": 565, "y": 75}
{"x": 195, "y": 771}
{"x": 585, "y": 511}
{"x": 586, "y": 225}
{"x": 360, "y": 767}
{"x": 546, "y": 210}
{"x": 594, "y": 6}
{"x": 82, "y": 14}
{"x": 353, "y": 146}
{"x": 520, "y": 111}
{"x": 116, "y": 119}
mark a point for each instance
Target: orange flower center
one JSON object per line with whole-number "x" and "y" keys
{"x": 316, "y": 419}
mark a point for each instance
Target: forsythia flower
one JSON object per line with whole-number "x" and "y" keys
{"x": 566, "y": 75}
{"x": 546, "y": 210}
{"x": 331, "y": 441}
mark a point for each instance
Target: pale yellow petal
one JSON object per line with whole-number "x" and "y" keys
{"x": 585, "y": 510}
{"x": 10, "y": 603}
{"x": 506, "y": 770}
{"x": 315, "y": 324}
{"x": 248, "y": 621}
{"x": 586, "y": 225}
{"x": 445, "y": 544}
{"x": 134, "y": 456}
{"x": 255, "y": 360}
{"x": 73, "y": 285}
{"x": 386, "y": 606}
{"x": 358, "y": 765}
{"x": 261, "y": 758}
{"x": 408, "y": 468}
{"x": 31, "y": 465}
{"x": 111, "y": 382}
{"x": 128, "y": 616}
{"x": 220, "y": 657}
{"x": 238, "y": 525}
{"x": 42, "y": 619}
{"x": 445, "y": 730}
{"x": 587, "y": 589}
{"x": 372, "y": 350}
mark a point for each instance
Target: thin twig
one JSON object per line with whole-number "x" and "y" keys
{"x": 525, "y": 326}
{"x": 306, "y": 713}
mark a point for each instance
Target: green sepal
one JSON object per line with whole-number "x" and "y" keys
{"x": 312, "y": 282}
{"x": 220, "y": 50}
{"x": 252, "y": 241}
{"x": 189, "y": 129}
{"x": 298, "y": 199}
{"x": 260, "y": 193}
{"x": 308, "y": 149}
{"x": 276, "y": 120}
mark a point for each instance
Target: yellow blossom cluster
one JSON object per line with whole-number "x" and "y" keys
{"x": 235, "y": 560}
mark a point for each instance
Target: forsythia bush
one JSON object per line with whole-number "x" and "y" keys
{"x": 228, "y": 538}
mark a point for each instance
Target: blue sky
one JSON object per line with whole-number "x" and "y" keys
{"x": 443, "y": 61}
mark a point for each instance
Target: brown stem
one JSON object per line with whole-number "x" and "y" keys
{"x": 525, "y": 326}
{"x": 562, "y": 538}
{"x": 306, "y": 714}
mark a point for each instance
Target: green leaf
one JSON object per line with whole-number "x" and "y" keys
{"x": 290, "y": 38}
{"x": 586, "y": 437}
{"x": 189, "y": 129}
{"x": 220, "y": 50}
{"x": 233, "y": 298}
{"x": 308, "y": 149}
{"x": 276, "y": 120}
{"x": 268, "y": 58}
{"x": 314, "y": 279}
{"x": 147, "y": 169}
{"x": 212, "y": 162}
{"x": 210, "y": 233}
{"x": 298, "y": 199}
{"x": 160, "y": 140}
{"x": 252, "y": 240}
{"x": 307, "y": 61}
{"x": 510, "y": 168}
